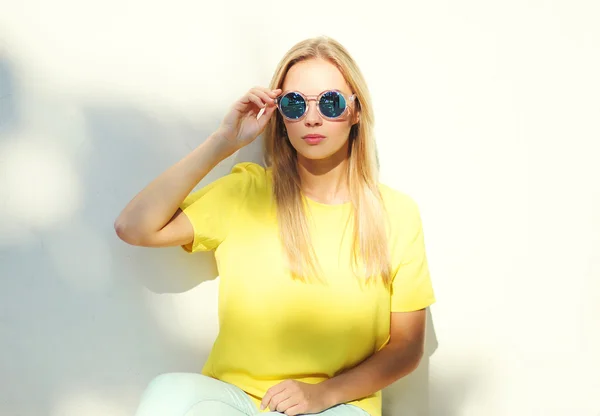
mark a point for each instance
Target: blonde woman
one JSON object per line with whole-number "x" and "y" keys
{"x": 324, "y": 279}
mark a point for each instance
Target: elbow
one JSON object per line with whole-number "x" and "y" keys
{"x": 408, "y": 357}
{"x": 418, "y": 351}
{"x": 127, "y": 232}
{"x": 417, "y": 360}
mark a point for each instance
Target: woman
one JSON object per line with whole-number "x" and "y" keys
{"x": 323, "y": 274}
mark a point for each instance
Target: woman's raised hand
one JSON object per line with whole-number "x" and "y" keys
{"x": 240, "y": 126}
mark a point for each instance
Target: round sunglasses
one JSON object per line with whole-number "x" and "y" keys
{"x": 332, "y": 104}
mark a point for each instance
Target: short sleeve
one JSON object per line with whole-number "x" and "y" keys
{"x": 212, "y": 208}
{"x": 411, "y": 285}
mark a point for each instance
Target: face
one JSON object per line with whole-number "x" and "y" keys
{"x": 312, "y": 77}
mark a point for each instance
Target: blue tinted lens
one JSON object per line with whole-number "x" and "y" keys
{"x": 293, "y": 105}
{"x": 332, "y": 104}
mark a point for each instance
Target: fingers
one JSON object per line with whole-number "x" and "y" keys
{"x": 252, "y": 98}
{"x": 270, "y": 93}
{"x": 276, "y": 389}
{"x": 266, "y": 112}
{"x": 260, "y": 96}
{"x": 273, "y": 93}
{"x": 263, "y": 95}
{"x": 285, "y": 404}
{"x": 278, "y": 401}
{"x": 294, "y": 410}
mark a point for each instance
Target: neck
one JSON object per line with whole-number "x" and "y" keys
{"x": 325, "y": 180}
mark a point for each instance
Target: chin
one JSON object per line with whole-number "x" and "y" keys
{"x": 315, "y": 156}
{"x": 320, "y": 151}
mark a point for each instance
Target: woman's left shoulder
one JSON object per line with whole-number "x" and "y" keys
{"x": 398, "y": 201}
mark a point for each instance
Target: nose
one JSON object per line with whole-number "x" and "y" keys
{"x": 313, "y": 118}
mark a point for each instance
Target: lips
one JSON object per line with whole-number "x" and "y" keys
{"x": 313, "y": 136}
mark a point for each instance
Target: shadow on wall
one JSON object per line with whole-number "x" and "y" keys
{"x": 142, "y": 147}
{"x": 8, "y": 106}
{"x": 76, "y": 324}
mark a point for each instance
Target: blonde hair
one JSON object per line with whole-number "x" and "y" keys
{"x": 369, "y": 238}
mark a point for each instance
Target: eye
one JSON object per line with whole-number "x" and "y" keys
{"x": 292, "y": 105}
{"x": 332, "y": 104}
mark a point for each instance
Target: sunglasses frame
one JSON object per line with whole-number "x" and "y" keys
{"x": 317, "y": 98}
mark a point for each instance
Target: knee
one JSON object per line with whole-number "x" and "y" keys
{"x": 167, "y": 382}
{"x": 170, "y": 393}
{"x": 166, "y": 378}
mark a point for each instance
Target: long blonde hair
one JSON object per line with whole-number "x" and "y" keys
{"x": 370, "y": 238}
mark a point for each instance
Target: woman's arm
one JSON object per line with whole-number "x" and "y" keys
{"x": 398, "y": 358}
{"x": 153, "y": 218}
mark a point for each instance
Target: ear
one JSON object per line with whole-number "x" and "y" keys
{"x": 355, "y": 117}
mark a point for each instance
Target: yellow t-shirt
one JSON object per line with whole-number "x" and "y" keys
{"x": 273, "y": 328}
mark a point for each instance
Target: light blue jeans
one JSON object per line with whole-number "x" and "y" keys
{"x": 190, "y": 394}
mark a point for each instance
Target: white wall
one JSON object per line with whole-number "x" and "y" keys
{"x": 487, "y": 115}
